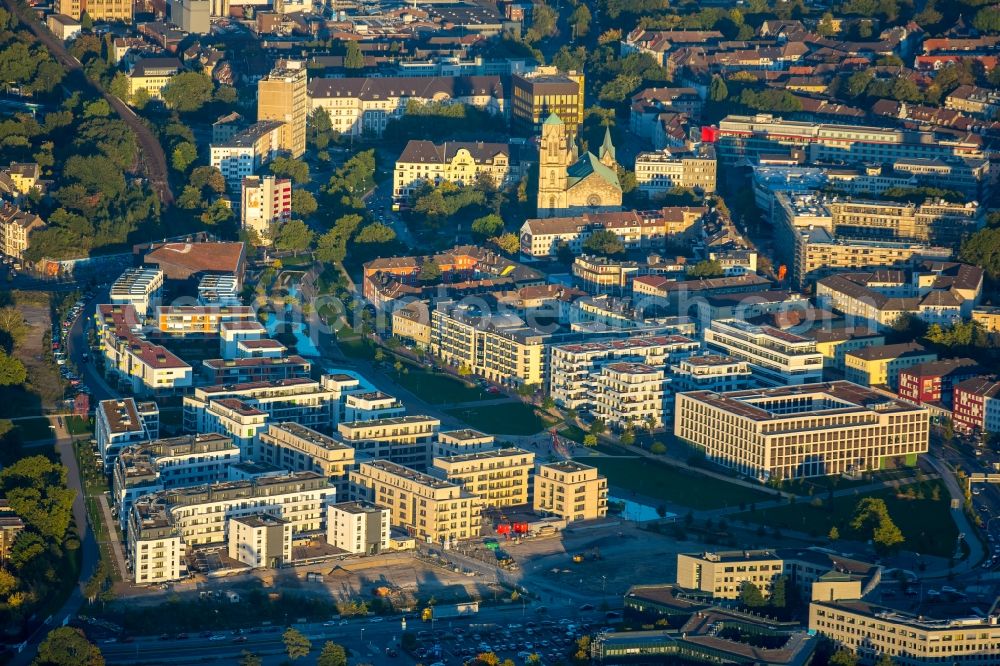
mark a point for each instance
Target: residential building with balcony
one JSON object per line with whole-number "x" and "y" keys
{"x": 462, "y": 442}
{"x": 120, "y": 423}
{"x": 291, "y": 446}
{"x": 776, "y": 357}
{"x": 404, "y": 440}
{"x": 631, "y": 395}
{"x": 710, "y": 372}
{"x": 497, "y": 478}
{"x": 427, "y": 507}
{"x": 139, "y": 287}
{"x": 976, "y": 406}
{"x": 260, "y": 540}
{"x": 571, "y": 490}
{"x": 358, "y": 528}
{"x": 162, "y": 464}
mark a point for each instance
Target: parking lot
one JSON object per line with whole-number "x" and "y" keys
{"x": 551, "y": 640}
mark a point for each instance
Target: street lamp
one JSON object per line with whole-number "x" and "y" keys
{"x": 362, "y": 638}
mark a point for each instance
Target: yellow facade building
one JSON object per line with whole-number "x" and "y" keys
{"x": 570, "y": 490}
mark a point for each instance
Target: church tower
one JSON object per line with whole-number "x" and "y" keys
{"x": 607, "y": 153}
{"x": 555, "y": 154}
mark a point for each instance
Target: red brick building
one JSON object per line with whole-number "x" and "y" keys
{"x": 977, "y": 405}
{"x": 934, "y": 382}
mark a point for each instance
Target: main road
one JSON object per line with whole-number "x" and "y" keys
{"x": 151, "y": 155}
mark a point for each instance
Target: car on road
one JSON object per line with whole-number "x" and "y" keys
{"x": 217, "y": 637}
{"x": 376, "y": 619}
{"x": 240, "y": 639}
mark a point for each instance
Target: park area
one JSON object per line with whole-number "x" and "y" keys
{"x": 437, "y": 388}
{"x": 666, "y": 483}
{"x": 920, "y": 511}
{"x": 511, "y": 418}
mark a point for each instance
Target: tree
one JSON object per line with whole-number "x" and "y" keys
{"x": 750, "y": 595}
{"x": 598, "y": 427}
{"x": 13, "y": 324}
{"x": 119, "y": 86}
{"x": 834, "y": 534}
{"x": 376, "y": 232}
{"x": 296, "y": 644}
{"x": 332, "y": 655}
{"x": 67, "y": 646}
{"x": 590, "y": 440}
{"x": 332, "y": 246}
{"x": 844, "y": 657}
{"x": 188, "y": 91}
{"x": 86, "y": 23}
{"x": 605, "y": 243}
{"x": 983, "y": 249}
{"x": 706, "y": 269}
{"x": 208, "y": 177}
{"x": 826, "y": 26}
{"x": 294, "y": 236}
{"x": 718, "y": 90}
{"x": 7, "y": 582}
{"x": 303, "y": 203}
{"x": 619, "y": 88}
{"x": 12, "y": 372}
{"x": 872, "y": 512}
{"x": 217, "y": 215}
{"x": 779, "y": 592}
{"x": 429, "y": 272}
{"x": 487, "y": 659}
{"x": 487, "y": 226}
{"x": 508, "y": 242}
{"x": 659, "y": 448}
{"x": 287, "y": 167}
{"x": 183, "y": 156}
{"x": 884, "y": 660}
{"x": 353, "y": 58}
{"x": 987, "y": 20}
{"x": 250, "y": 659}
{"x": 579, "y": 21}
{"x": 140, "y": 98}
{"x": 99, "y": 108}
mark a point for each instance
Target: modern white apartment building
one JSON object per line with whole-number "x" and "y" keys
{"x": 232, "y": 333}
{"x": 405, "y": 440}
{"x": 221, "y": 291}
{"x": 426, "y": 506}
{"x": 458, "y": 162}
{"x": 164, "y": 524}
{"x": 359, "y": 106}
{"x": 630, "y": 395}
{"x": 133, "y": 361}
{"x": 265, "y": 202}
{"x": 120, "y": 423}
{"x": 776, "y": 357}
{"x": 237, "y": 419}
{"x": 710, "y": 372}
{"x": 295, "y": 447}
{"x": 298, "y": 400}
{"x": 501, "y": 348}
{"x": 260, "y": 540}
{"x": 139, "y": 287}
{"x": 575, "y": 366}
{"x": 358, "y": 528}
{"x": 246, "y": 152}
{"x": 371, "y": 406}
{"x": 656, "y": 173}
{"x": 497, "y": 478}
{"x": 461, "y": 442}
{"x": 571, "y": 490}
{"x": 176, "y": 462}
{"x": 802, "y": 431}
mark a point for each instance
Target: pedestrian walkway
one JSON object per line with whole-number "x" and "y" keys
{"x": 111, "y": 535}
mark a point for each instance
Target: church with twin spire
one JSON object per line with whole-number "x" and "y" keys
{"x": 571, "y": 184}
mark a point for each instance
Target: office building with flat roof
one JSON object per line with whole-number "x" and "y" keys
{"x": 776, "y": 357}
{"x": 802, "y": 431}
{"x": 498, "y": 478}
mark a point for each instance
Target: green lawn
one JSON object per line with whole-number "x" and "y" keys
{"x": 438, "y": 388}
{"x": 660, "y": 481}
{"x": 513, "y": 418}
{"x": 79, "y": 425}
{"x": 356, "y": 347}
{"x": 574, "y": 432}
{"x": 33, "y": 429}
{"x": 926, "y": 523}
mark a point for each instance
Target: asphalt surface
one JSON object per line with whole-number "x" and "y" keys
{"x": 151, "y": 155}
{"x": 366, "y": 638}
